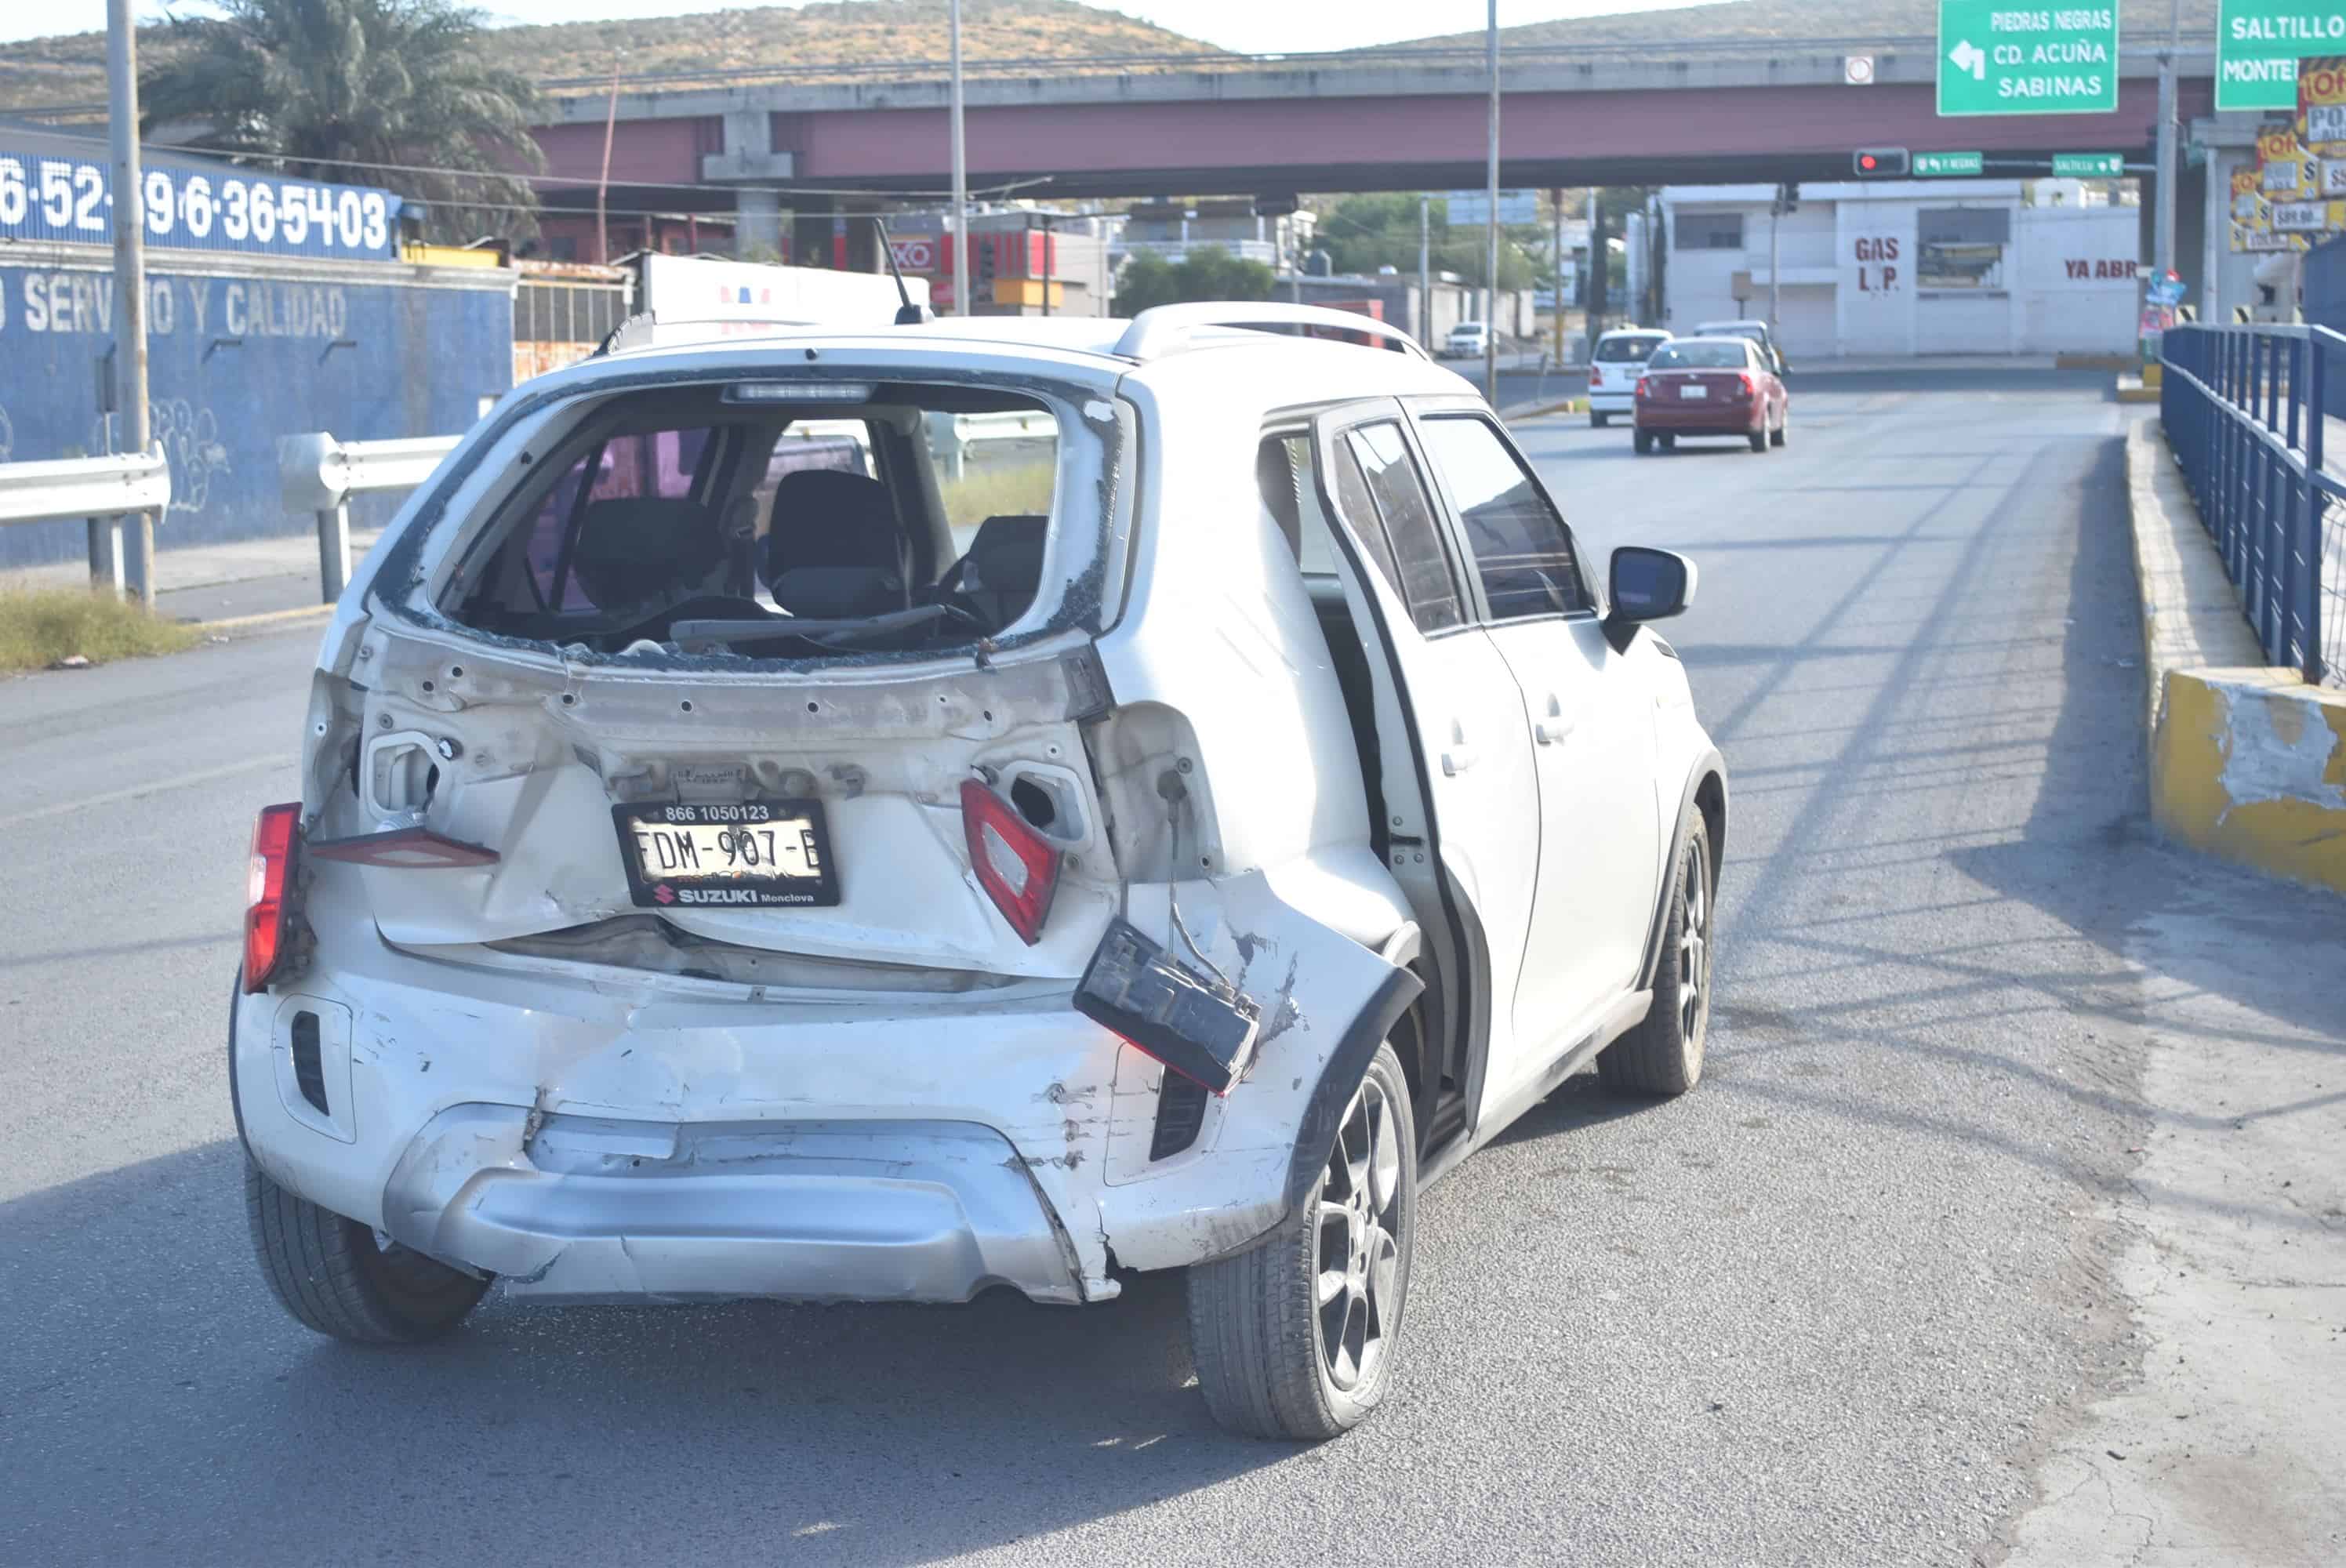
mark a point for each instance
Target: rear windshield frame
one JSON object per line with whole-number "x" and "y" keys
{"x": 1652, "y": 342}
{"x": 410, "y": 577}
{"x": 1742, "y": 361}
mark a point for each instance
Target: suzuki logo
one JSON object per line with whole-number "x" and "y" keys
{"x": 665, "y": 893}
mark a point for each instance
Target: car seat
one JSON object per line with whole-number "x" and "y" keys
{"x": 644, "y": 549}
{"x": 999, "y": 576}
{"x": 835, "y": 549}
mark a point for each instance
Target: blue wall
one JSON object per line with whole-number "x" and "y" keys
{"x": 368, "y": 352}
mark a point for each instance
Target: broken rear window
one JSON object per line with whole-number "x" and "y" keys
{"x": 774, "y": 519}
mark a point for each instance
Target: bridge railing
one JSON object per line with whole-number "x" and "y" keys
{"x": 2255, "y": 416}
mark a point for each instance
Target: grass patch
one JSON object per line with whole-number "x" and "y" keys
{"x": 983, "y": 492}
{"x": 40, "y": 625}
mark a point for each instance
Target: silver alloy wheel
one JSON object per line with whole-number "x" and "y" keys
{"x": 1694, "y": 940}
{"x": 1360, "y": 1194}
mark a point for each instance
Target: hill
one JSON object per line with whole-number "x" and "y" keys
{"x": 71, "y": 68}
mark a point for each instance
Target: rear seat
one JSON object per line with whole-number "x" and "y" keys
{"x": 1003, "y": 569}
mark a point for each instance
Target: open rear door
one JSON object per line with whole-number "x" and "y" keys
{"x": 1460, "y": 802}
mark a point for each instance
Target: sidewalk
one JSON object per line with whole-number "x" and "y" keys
{"x": 207, "y": 582}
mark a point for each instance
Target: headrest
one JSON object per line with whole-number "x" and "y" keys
{"x": 834, "y": 546}
{"x": 828, "y": 517}
{"x": 632, "y": 550}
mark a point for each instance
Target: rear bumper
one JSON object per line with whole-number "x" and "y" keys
{"x": 574, "y": 1208}
{"x": 614, "y": 1137}
{"x": 1608, "y": 402}
{"x": 1726, "y": 419}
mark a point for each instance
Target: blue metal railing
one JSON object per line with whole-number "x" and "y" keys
{"x": 2247, "y": 411}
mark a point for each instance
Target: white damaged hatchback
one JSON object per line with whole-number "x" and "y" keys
{"x": 877, "y": 816}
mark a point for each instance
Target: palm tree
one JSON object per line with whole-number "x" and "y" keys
{"x": 337, "y": 89}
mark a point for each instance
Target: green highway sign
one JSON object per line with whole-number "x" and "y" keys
{"x": 1945, "y": 163}
{"x": 2089, "y": 165}
{"x": 2259, "y": 42}
{"x": 1999, "y": 58}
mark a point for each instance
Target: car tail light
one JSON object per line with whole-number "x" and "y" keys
{"x": 1016, "y": 867}
{"x": 267, "y": 884}
{"x": 1642, "y": 384}
{"x": 1746, "y": 387}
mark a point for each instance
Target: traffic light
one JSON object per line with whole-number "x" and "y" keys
{"x": 1787, "y": 197}
{"x": 1875, "y": 162}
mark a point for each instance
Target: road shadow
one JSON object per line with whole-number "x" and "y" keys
{"x": 182, "y": 1416}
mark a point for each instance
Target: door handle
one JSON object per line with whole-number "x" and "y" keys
{"x": 1553, "y": 727}
{"x": 1459, "y": 757}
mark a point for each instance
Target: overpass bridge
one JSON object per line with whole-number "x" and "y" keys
{"x": 828, "y": 139}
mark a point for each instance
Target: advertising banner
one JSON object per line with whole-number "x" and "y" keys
{"x": 2281, "y": 164}
{"x": 72, "y": 198}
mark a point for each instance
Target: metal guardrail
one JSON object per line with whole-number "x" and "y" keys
{"x": 102, "y": 490}
{"x": 319, "y": 474}
{"x": 2247, "y": 411}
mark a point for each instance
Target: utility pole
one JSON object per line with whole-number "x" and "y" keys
{"x": 602, "y": 184}
{"x": 961, "y": 288}
{"x": 1597, "y": 268}
{"x": 2162, "y": 238}
{"x": 1775, "y": 254}
{"x": 1491, "y": 220}
{"x": 1425, "y": 271}
{"x": 1555, "y": 291}
{"x": 129, "y": 268}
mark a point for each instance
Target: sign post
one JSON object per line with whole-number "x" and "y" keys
{"x": 2259, "y": 42}
{"x": 1995, "y": 59}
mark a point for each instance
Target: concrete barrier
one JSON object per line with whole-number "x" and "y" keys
{"x": 2247, "y": 763}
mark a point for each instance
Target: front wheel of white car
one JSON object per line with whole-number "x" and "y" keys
{"x": 1663, "y": 1055}
{"x": 1295, "y": 1337}
{"x": 346, "y": 1280}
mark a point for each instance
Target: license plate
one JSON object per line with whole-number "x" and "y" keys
{"x": 756, "y": 854}
{"x": 1694, "y": 389}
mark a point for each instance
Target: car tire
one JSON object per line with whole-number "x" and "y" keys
{"x": 1642, "y": 442}
{"x": 1599, "y": 420}
{"x": 1259, "y": 1327}
{"x": 1782, "y": 433}
{"x": 336, "y": 1276}
{"x": 1663, "y": 1055}
{"x": 1759, "y": 439}
{"x": 1669, "y": 443}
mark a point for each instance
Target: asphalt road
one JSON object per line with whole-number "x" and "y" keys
{"x": 1832, "y": 1308}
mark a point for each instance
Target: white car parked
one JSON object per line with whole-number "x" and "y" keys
{"x": 1614, "y": 367}
{"x": 708, "y": 883}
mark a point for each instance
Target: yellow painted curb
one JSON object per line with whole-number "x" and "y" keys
{"x": 2134, "y": 389}
{"x": 2249, "y": 765}
{"x": 265, "y": 617}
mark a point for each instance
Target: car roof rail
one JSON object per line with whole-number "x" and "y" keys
{"x": 1169, "y": 328}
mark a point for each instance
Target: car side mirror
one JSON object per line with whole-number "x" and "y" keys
{"x": 1646, "y": 584}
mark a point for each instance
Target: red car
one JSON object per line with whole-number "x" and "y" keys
{"x": 1710, "y": 386}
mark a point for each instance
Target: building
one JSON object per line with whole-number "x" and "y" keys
{"x": 1910, "y": 266}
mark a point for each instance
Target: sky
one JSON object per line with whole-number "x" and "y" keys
{"x": 1250, "y": 25}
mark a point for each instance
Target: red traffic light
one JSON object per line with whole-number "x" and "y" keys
{"x": 1867, "y": 162}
